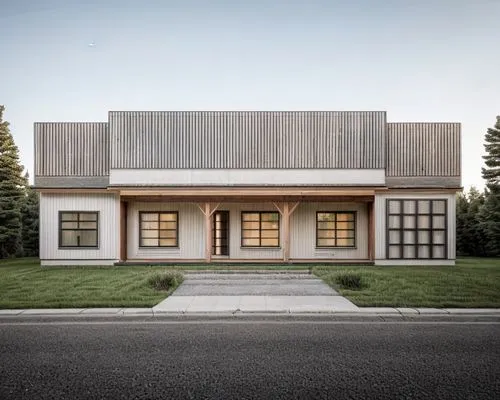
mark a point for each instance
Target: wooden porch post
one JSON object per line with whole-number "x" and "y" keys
{"x": 286, "y": 209}
{"x": 371, "y": 231}
{"x": 123, "y": 230}
{"x": 208, "y": 211}
{"x": 208, "y": 234}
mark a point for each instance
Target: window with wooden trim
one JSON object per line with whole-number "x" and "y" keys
{"x": 335, "y": 229}
{"x": 78, "y": 229}
{"x": 417, "y": 229}
{"x": 158, "y": 229}
{"x": 260, "y": 229}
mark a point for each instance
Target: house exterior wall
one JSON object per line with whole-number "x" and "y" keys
{"x": 108, "y": 206}
{"x": 192, "y": 232}
{"x": 380, "y": 226}
{"x": 423, "y": 155}
{"x": 303, "y": 232}
{"x": 247, "y": 177}
{"x": 71, "y": 154}
{"x": 247, "y": 139}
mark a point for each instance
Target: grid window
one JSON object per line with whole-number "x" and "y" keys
{"x": 158, "y": 229}
{"x": 416, "y": 229}
{"x": 78, "y": 229}
{"x": 335, "y": 229}
{"x": 260, "y": 229}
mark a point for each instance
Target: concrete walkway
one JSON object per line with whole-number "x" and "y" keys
{"x": 254, "y": 293}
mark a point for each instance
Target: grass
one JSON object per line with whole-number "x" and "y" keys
{"x": 24, "y": 284}
{"x": 472, "y": 282}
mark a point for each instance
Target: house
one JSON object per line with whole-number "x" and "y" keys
{"x": 247, "y": 186}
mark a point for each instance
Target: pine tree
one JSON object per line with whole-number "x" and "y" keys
{"x": 11, "y": 193}
{"x": 489, "y": 215}
{"x": 470, "y": 234}
{"x": 30, "y": 221}
{"x": 492, "y": 158}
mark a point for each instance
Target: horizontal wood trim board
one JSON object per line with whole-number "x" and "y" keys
{"x": 200, "y": 193}
{"x": 241, "y": 199}
{"x": 245, "y": 261}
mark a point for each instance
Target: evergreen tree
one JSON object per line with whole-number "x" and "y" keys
{"x": 11, "y": 193}
{"x": 29, "y": 219}
{"x": 470, "y": 234}
{"x": 489, "y": 215}
{"x": 492, "y": 158}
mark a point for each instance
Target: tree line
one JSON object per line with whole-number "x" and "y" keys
{"x": 478, "y": 213}
{"x": 18, "y": 201}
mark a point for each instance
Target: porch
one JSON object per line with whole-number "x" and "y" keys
{"x": 246, "y": 225}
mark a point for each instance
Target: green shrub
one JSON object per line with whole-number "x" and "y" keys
{"x": 349, "y": 280}
{"x": 165, "y": 280}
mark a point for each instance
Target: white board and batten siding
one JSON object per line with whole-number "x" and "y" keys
{"x": 108, "y": 206}
{"x": 303, "y": 232}
{"x": 192, "y": 233}
{"x": 380, "y": 228}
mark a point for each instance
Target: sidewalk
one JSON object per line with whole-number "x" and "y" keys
{"x": 269, "y": 306}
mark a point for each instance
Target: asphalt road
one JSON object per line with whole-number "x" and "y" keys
{"x": 249, "y": 360}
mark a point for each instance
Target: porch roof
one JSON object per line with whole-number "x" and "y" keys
{"x": 238, "y": 194}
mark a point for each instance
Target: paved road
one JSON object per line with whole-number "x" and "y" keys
{"x": 249, "y": 360}
{"x": 253, "y": 285}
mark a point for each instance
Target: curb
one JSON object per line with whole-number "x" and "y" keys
{"x": 362, "y": 312}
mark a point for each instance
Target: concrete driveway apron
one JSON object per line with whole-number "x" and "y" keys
{"x": 258, "y": 292}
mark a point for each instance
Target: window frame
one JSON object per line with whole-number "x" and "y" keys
{"x": 431, "y": 229}
{"x": 354, "y": 214}
{"x": 260, "y": 246}
{"x": 78, "y": 229}
{"x": 158, "y": 213}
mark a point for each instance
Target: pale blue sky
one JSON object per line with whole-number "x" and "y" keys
{"x": 420, "y": 60}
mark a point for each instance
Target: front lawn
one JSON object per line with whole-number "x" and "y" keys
{"x": 24, "y": 284}
{"x": 473, "y": 282}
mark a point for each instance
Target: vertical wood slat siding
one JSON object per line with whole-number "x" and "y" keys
{"x": 423, "y": 149}
{"x": 253, "y": 139}
{"x": 108, "y": 206}
{"x": 71, "y": 149}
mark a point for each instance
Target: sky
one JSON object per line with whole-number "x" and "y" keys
{"x": 419, "y": 60}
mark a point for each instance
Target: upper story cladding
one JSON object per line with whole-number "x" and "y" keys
{"x": 83, "y": 154}
{"x": 237, "y": 139}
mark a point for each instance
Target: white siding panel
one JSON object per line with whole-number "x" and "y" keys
{"x": 108, "y": 206}
{"x": 303, "y": 232}
{"x": 191, "y": 232}
{"x": 380, "y": 214}
{"x": 222, "y": 177}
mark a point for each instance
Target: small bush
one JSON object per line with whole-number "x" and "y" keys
{"x": 165, "y": 280}
{"x": 349, "y": 280}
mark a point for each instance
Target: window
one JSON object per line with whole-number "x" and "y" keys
{"x": 158, "y": 229}
{"x": 416, "y": 229}
{"x": 335, "y": 229}
{"x": 260, "y": 229}
{"x": 78, "y": 229}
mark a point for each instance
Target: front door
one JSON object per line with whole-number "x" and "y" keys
{"x": 220, "y": 229}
